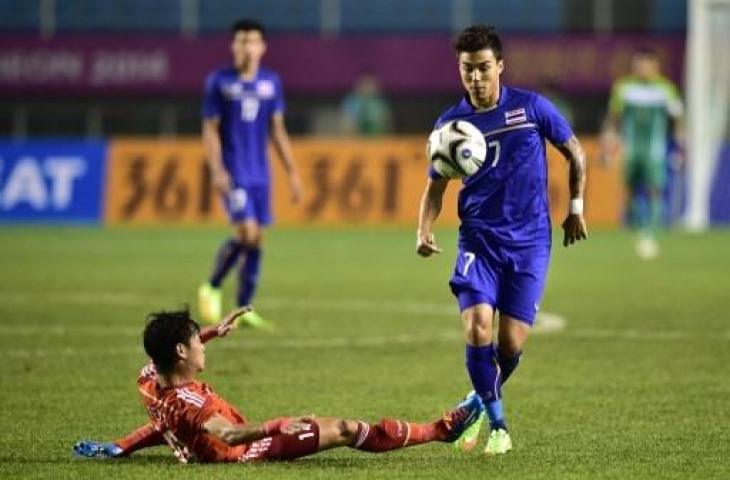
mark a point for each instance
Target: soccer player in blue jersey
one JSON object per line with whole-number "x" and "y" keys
{"x": 243, "y": 106}
{"x": 505, "y": 234}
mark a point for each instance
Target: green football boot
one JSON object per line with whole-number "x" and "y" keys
{"x": 210, "y": 303}
{"x": 468, "y": 440}
{"x": 499, "y": 442}
{"x": 253, "y": 320}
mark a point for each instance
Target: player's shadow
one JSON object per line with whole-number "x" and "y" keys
{"x": 154, "y": 459}
{"x": 358, "y": 462}
{"x": 338, "y": 463}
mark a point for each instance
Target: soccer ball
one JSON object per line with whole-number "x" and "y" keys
{"x": 456, "y": 149}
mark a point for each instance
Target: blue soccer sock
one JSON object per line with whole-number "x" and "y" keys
{"x": 507, "y": 365}
{"x": 248, "y": 276}
{"x": 496, "y": 415}
{"x": 481, "y": 363}
{"x": 226, "y": 257}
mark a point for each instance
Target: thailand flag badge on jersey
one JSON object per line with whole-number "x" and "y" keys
{"x": 265, "y": 88}
{"x": 515, "y": 116}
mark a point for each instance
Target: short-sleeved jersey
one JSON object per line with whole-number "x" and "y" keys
{"x": 507, "y": 198}
{"x": 183, "y": 410}
{"x": 245, "y": 109}
{"x": 644, "y": 109}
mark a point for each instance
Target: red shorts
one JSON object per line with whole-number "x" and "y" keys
{"x": 283, "y": 446}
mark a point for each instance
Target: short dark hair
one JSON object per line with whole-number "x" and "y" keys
{"x": 247, "y": 25}
{"x": 164, "y": 330}
{"x": 479, "y": 37}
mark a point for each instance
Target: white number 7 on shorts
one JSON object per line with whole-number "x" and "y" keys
{"x": 469, "y": 260}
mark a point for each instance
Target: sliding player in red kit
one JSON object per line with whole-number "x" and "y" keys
{"x": 196, "y": 423}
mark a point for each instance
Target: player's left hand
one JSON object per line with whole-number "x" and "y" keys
{"x": 295, "y": 186}
{"x": 574, "y": 228}
{"x": 229, "y": 322}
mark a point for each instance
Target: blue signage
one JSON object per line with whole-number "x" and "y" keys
{"x": 52, "y": 181}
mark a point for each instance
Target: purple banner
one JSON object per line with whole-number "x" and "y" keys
{"x": 164, "y": 65}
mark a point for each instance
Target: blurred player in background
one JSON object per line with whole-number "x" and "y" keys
{"x": 638, "y": 121}
{"x": 194, "y": 421}
{"x": 243, "y": 106}
{"x": 505, "y": 233}
{"x": 365, "y": 111}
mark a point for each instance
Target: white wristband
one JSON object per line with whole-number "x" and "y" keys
{"x": 576, "y": 206}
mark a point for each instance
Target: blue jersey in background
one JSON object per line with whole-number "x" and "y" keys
{"x": 507, "y": 199}
{"x": 245, "y": 109}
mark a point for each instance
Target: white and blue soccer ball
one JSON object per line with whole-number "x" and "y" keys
{"x": 456, "y": 149}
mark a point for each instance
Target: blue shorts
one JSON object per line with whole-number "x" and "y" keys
{"x": 510, "y": 279}
{"x": 245, "y": 204}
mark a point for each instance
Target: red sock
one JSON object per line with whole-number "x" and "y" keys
{"x": 392, "y": 434}
{"x": 143, "y": 437}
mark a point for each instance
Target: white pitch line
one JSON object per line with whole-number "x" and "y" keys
{"x": 357, "y": 342}
{"x": 72, "y": 330}
{"x": 546, "y": 321}
{"x": 255, "y": 344}
{"x": 629, "y": 334}
{"x": 75, "y": 298}
{"x": 131, "y": 299}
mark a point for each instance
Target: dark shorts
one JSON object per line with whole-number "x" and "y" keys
{"x": 509, "y": 279}
{"x": 641, "y": 172}
{"x": 249, "y": 203}
{"x": 284, "y": 447}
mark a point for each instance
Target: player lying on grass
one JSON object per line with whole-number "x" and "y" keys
{"x": 195, "y": 422}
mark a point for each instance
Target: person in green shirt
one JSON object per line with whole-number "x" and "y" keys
{"x": 365, "y": 110}
{"x": 642, "y": 109}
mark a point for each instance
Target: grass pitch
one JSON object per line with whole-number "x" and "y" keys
{"x": 635, "y": 386}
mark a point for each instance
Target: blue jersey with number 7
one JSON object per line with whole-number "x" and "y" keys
{"x": 245, "y": 108}
{"x": 507, "y": 199}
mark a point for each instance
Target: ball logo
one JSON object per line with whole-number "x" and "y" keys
{"x": 466, "y": 153}
{"x": 237, "y": 199}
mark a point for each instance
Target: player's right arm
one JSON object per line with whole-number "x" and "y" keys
{"x": 236, "y": 434}
{"x": 213, "y": 106}
{"x": 214, "y": 154}
{"x": 431, "y": 202}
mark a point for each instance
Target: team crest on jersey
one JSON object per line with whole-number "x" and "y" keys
{"x": 232, "y": 91}
{"x": 515, "y": 116}
{"x": 265, "y": 88}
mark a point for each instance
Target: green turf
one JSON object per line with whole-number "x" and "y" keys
{"x": 636, "y": 386}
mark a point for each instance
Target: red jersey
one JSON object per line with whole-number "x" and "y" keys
{"x": 183, "y": 409}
